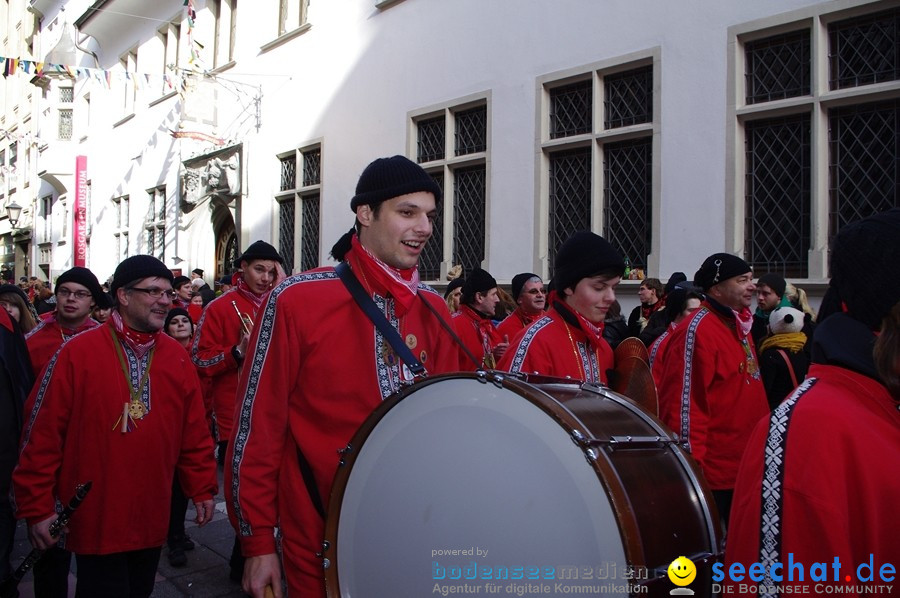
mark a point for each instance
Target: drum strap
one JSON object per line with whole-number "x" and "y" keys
{"x": 309, "y": 480}
{"x": 374, "y": 314}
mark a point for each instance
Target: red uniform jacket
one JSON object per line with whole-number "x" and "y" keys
{"x": 819, "y": 478}
{"x": 711, "y": 392}
{"x": 47, "y": 337}
{"x": 479, "y": 336}
{"x": 218, "y": 331}
{"x": 553, "y": 347}
{"x": 516, "y": 321}
{"x": 71, "y": 436}
{"x": 315, "y": 370}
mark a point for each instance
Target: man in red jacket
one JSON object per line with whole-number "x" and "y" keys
{"x": 120, "y": 406}
{"x": 531, "y": 299}
{"x": 316, "y": 367}
{"x": 568, "y": 342}
{"x": 473, "y": 322}
{"x": 710, "y": 389}
{"x": 77, "y": 293}
{"x": 818, "y": 482}
{"x": 220, "y": 344}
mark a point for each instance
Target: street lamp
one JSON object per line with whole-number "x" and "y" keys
{"x": 13, "y": 211}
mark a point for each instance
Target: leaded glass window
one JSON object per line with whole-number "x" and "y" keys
{"x": 627, "y": 205}
{"x": 311, "y": 167}
{"x": 778, "y": 192}
{"x": 65, "y": 124}
{"x": 430, "y": 138}
{"x": 628, "y": 98}
{"x": 309, "y": 240}
{"x": 865, "y": 50}
{"x": 468, "y": 217}
{"x": 288, "y": 172}
{"x": 286, "y": 213}
{"x": 571, "y": 109}
{"x": 570, "y": 196}
{"x": 471, "y": 131}
{"x": 864, "y": 161}
{"x": 431, "y": 256}
{"x": 778, "y": 67}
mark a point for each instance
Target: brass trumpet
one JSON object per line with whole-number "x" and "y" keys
{"x": 246, "y": 321}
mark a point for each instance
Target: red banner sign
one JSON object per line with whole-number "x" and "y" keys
{"x": 79, "y": 231}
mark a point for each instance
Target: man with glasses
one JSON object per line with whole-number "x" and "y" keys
{"x": 77, "y": 293}
{"x": 531, "y": 300}
{"x": 119, "y": 405}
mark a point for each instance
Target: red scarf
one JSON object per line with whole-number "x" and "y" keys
{"x": 378, "y": 277}
{"x": 139, "y": 342}
{"x": 528, "y": 319}
{"x": 593, "y": 332}
{"x": 744, "y": 321}
{"x": 646, "y": 310}
{"x": 244, "y": 289}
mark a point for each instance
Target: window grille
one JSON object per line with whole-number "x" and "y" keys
{"x": 570, "y": 109}
{"x": 430, "y": 139}
{"x": 430, "y": 258}
{"x": 65, "y": 124}
{"x": 309, "y": 246}
{"x": 777, "y": 237}
{"x": 629, "y": 98}
{"x": 288, "y": 173}
{"x": 471, "y": 131}
{"x": 570, "y": 197}
{"x": 865, "y": 50}
{"x": 865, "y": 161}
{"x": 468, "y": 217}
{"x": 66, "y": 95}
{"x": 150, "y": 237}
{"x": 286, "y": 211}
{"x": 627, "y": 193}
{"x": 778, "y": 67}
{"x": 312, "y": 160}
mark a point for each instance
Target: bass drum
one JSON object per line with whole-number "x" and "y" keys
{"x": 492, "y": 484}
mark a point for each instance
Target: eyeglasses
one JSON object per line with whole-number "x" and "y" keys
{"x": 156, "y": 293}
{"x": 66, "y": 293}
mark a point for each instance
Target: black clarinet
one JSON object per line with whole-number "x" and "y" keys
{"x": 9, "y": 585}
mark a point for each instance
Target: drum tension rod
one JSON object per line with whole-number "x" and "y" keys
{"x": 624, "y": 442}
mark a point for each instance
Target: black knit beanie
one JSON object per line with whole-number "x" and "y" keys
{"x": 519, "y": 281}
{"x": 719, "y": 267}
{"x": 774, "y": 282}
{"x": 582, "y": 255}
{"x": 85, "y": 278}
{"x": 259, "y": 250}
{"x": 386, "y": 178}
{"x": 137, "y": 267}
{"x": 673, "y": 281}
{"x": 865, "y": 267}
{"x": 177, "y": 311}
{"x": 478, "y": 281}
{"x": 454, "y": 284}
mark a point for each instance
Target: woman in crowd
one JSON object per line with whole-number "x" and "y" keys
{"x": 16, "y": 303}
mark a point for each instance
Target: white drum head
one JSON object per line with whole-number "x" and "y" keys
{"x": 465, "y": 466}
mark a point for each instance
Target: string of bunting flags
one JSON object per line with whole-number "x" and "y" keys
{"x": 11, "y": 66}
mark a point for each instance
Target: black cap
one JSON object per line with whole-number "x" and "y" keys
{"x": 519, "y": 281}
{"x": 454, "y": 284}
{"x": 865, "y": 267}
{"x": 479, "y": 281}
{"x": 177, "y": 311}
{"x": 137, "y": 267}
{"x": 85, "y": 278}
{"x": 197, "y": 271}
{"x": 719, "y": 267}
{"x": 259, "y": 250}
{"x": 179, "y": 281}
{"x": 582, "y": 255}
{"x": 386, "y": 178}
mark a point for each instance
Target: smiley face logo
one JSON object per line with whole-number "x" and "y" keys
{"x": 682, "y": 571}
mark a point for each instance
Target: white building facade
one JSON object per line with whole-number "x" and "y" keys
{"x": 674, "y": 129}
